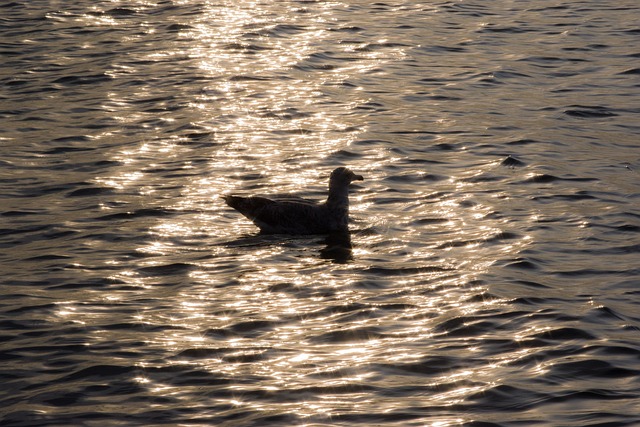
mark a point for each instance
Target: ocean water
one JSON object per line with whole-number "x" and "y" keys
{"x": 491, "y": 276}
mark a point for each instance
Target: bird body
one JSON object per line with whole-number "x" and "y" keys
{"x": 290, "y": 215}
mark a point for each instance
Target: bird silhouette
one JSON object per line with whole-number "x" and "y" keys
{"x": 292, "y": 215}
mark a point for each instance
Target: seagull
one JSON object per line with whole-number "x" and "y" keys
{"x": 291, "y": 215}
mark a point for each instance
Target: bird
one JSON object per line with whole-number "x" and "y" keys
{"x": 297, "y": 216}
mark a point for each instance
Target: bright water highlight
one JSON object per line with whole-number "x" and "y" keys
{"x": 491, "y": 274}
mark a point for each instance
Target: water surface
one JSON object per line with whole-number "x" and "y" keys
{"x": 491, "y": 273}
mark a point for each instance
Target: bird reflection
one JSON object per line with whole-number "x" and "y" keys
{"x": 338, "y": 248}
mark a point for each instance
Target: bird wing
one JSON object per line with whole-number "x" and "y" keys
{"x": 281, "y": 215}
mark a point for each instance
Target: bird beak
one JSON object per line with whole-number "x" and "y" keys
{"x": 358, "y": 178}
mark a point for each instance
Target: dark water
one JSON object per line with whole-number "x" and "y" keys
{"x": 494, "y": 272}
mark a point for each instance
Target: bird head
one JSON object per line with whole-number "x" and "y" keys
{"x": 343, "y": 176}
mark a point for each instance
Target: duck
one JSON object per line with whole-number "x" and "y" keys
{"x": 298, "y": 216}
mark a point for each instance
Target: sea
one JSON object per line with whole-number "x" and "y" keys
{"x": 491, "y": 273}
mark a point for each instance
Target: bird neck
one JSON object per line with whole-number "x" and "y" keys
{"x": 338, "y": 197}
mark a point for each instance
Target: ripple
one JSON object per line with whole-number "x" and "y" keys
{"x": 490, "y": 277}
{"x": 587, "y": 112}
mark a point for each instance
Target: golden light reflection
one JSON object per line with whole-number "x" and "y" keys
{"x": 66, "y": 310}
{"x": 141, "y": 380}
{"x": 269, "y": 307}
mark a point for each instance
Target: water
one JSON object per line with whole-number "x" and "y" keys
{"x": 491, "y": 276}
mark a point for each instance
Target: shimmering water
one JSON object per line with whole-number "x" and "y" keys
{"x": 491, "y": 276}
